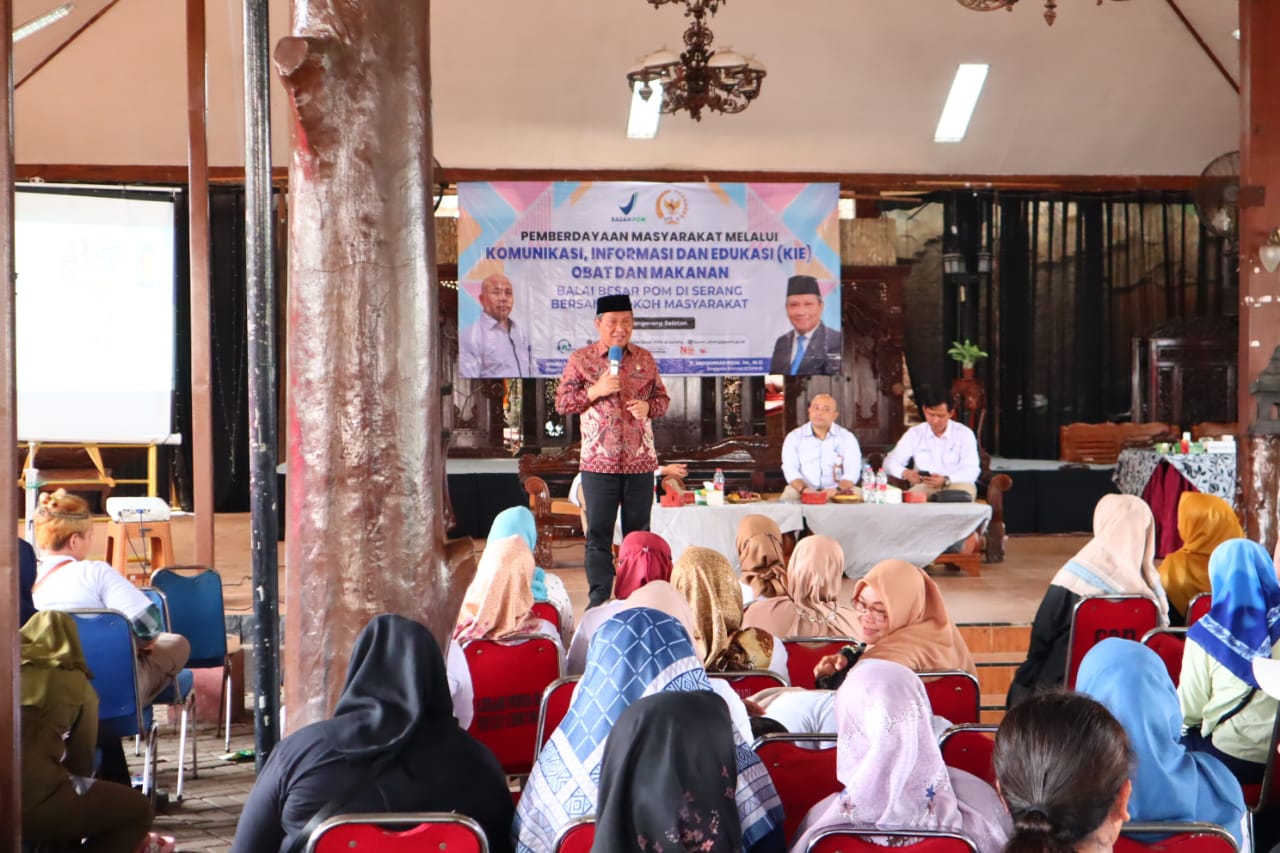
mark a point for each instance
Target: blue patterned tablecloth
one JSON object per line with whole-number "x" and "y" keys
{"x": 1211, "y": 473}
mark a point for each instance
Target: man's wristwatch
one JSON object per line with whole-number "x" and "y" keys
{"x": 946, "y": 482}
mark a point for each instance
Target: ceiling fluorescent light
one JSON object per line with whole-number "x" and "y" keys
{"x": 36, "y": 24}
{"x": 965, "y": 90}
{"x": 643, "y": 121}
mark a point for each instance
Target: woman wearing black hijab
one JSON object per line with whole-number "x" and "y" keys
{"x": 668, "y": 778}
{"x": 392, "y": 746}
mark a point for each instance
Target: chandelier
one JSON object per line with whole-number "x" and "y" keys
{"x": 698, "y": 78}
{"x": 1050, "y": 7}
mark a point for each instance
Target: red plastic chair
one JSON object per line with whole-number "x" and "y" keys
{"x": 577, "y": 837}
{"x": 447, "y": 832}
{"x": 801, "y": 776}
{"x": 507, "y": 678}
{"x": 1097, "y": 617}
{"x": 852, "y": 839}
{"x": 1266, "y": 796}
{"x": 1168, "y": 643}
{"x": 555, "y": 704}
{"x": 748, "y": 683}
{"x": 970, "y": 748}
{"x": 1176, "y": 838}
{"x": 803, "y": 654}
{"x": 954, "y": 696}
{"x": 547, "y": 610}
{"x": 1199, "y": 606}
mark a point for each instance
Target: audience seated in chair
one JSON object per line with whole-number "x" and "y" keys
{"x": 636, "y": 653}
{"x": 1170, "y": 783}
{"x": 706, "y": 580}
{"x": 1223, "y": 711}
{"x": 519, "y": 521}
{"x": 1120, "y": 558}
{"x": 1204, "y": 522}
{"x": 392, "y": 745}
{"x": 68, "y": 581}
{"x": 891, "y": 768}
{"x": 60, "y": 803}
{"x": 684, "y": 801}
{"x": 1062, "y": 763}
{"x": 761, "y": 558}
{"x": 809, "y": 604}
{"x": 499, "y": 600}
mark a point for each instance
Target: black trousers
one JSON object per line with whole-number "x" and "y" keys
{"x": 602, "y": 495}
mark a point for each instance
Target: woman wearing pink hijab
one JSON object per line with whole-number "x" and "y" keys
{"x": 810, "y": 603}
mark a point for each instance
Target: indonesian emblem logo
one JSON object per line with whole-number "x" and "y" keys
{"x": 671, "y": 206}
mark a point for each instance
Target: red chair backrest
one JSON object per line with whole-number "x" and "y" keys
{"x": 507, "y": 679}
{"x": 954, "y": 696}
{"x": 1175, "y": 838}
{"x": 747, "y": 683}
{"x": 426, "y": 831}
{"x": 1169, "y": 644}
{"x": 547, "y": 610}
{"x": 577, "y": 837}
{"x": 971, "y": 749}
{"x": 803, "y": 654}
{"x": 1098, "y": 617}
{"x": 1200, "y": 606}
{"x": 801, "y": 776}
{"x": 555, "y": 704}
{"x": 1266, "y": 796}
{"x": 850, "y": 839}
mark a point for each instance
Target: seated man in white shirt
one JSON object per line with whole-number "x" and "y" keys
{"x": 820, "y": 455}
{"x": 945, "y": 451}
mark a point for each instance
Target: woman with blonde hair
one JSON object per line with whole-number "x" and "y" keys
{"x": 810, "y": 604}
{"x": 68, "y": 580}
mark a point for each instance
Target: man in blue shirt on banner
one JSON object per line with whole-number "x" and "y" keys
{"x": 820, "y": 455}
{"x": 811, "y": 347}
{"x": 494, "y": 347}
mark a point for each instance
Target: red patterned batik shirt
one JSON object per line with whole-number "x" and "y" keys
{"x": 613, "y": 442}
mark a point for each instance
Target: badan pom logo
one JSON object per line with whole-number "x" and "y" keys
{"x": 671, "y": 206}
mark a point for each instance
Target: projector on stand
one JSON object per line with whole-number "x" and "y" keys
{"x": 136, "y": 510}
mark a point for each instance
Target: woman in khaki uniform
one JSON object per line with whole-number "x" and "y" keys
{"x": 60, "y": 802}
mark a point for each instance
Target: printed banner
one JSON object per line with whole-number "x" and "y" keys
{"x": 724, "y": 278}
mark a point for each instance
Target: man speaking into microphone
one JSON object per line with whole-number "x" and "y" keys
{"x": 615, "y": 387}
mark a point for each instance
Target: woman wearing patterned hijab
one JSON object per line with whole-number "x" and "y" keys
{"x": 1204, "y": 522}
{"x": 637, "y": 653}
{"x": 686, "y": 800}
{"x": 706, "y": 580}
{"x": 764, "y": 568}
{"x": 1223, "y": 710}
{"x": 888, "y": 761}
{"x": 810, "y": 606}
{"x": 519, "y": 521}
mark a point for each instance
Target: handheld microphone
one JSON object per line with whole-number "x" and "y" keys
{"x": 615, "y": 360}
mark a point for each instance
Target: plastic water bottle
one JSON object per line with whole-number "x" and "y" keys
{"x": 868, "y": 483}
{"x": 718, "y": 480}
{"x": 882, "y": 486}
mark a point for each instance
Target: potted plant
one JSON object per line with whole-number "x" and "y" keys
{"x": 967, "y": 353}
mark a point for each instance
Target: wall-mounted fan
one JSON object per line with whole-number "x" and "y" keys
{"x": 1216, "y": 196}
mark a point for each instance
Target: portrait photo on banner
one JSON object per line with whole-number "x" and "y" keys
{"x": 724, "y": 279}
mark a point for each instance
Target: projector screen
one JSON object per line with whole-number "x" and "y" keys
{"x": 95, "y": 316}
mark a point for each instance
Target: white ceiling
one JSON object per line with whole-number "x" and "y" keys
{"x": 854, "y": 86}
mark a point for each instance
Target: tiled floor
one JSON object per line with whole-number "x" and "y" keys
{"x": 206, "y": 818}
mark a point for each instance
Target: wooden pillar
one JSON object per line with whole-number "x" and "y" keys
{"x": 1259, "y": 290}
{"x": 198, "y": 246}
{"x": 365, "y": 509}
{"x": 10, "y": 660}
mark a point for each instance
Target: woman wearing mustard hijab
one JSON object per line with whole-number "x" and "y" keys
{"x": 1204, "y": 523}
{"x": 60, "y": 803}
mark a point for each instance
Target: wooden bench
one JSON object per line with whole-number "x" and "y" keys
{"x": 1100, "y": 444}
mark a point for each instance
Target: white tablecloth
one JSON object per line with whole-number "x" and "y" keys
{"x": 917, "y": 533}
{"x": 716, "y": 527}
